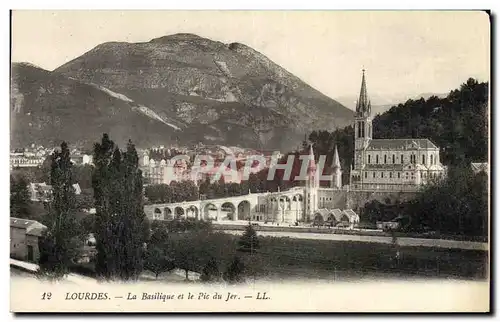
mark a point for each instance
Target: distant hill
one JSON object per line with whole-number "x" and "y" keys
{"x": 382, "y": 104}
{"x": 179, "y": 88}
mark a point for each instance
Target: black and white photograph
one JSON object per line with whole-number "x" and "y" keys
{"x": 250, "y": 161}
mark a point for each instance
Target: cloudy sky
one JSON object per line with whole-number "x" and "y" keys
{"x": 404, "y": 52}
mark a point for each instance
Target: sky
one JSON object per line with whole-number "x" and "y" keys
{"x": 404, "y": 53}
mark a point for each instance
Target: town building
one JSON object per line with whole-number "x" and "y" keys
{"x": 24, "y": 235}
{"x": 81, "y": 159}
{"x": 390, "y": 164}
{"x": 478, "y": 167}
{"x": 43, "y": 192}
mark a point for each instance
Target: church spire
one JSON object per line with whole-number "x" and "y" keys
{"x": 312, "y": 163}
{"x": 336, "y": 160}
{"x": 363, "y": 105}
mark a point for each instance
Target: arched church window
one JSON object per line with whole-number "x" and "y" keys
{"x": 390, "y": 175}
{"x": 382, "y": 174}
{"x": 369, "y": 158}
{"x": 393, "y": 158}
{"x": 366, "y": 175}
{"x": 385, "y": 158}
{"x": 399, "y": 175}
{"x": 401, "y": 159}
{"x": 374, "y": 174}
{"x": 432, "y": 159}
{"x": 376, "y": 159}
{"x": 423, "y": 158}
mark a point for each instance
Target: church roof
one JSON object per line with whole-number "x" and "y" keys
{"x": 400, "y": 144}
{"x": 387, "y": 167}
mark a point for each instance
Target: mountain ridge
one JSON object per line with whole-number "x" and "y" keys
{"x": 204, "y": 90}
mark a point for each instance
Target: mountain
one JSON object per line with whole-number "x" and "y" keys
{"x": 47, "y": 108}
{"x": 180, "y": 87}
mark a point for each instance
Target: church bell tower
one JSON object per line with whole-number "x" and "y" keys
{"x": 362, "y": 124}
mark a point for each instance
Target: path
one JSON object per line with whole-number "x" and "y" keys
{"x": 402, "y": 241}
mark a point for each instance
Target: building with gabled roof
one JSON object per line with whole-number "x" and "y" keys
{"x": 24, "y": 235}
{"x": 478, "y": 167}
{"x": 390, "y": 164}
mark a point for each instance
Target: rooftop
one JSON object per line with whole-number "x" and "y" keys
{"x": 401, "y": 144}
{"x": 32, "y": 227}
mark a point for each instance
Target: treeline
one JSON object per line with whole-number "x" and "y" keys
{"x": 120, "y": 226}
{"x": 458, "y": 124}
{"x": 199, "y": 250}
{"x": 457, "y": 205}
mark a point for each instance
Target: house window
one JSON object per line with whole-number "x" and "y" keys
{"x": 369, "y": 159}
{"x": 381, "y": 174}
{"x": 399, "y": 175}
{"x": 373, "y": 174}
{"x": 376, "y": 159}
{"x": 366, "y": 175}
{"x": 401, "y": 159}
{"x": 385, "y": 158}
{"x": 390, "y": 175}
{"x": 423, "y": 158}
{"x": 393, "y": 158}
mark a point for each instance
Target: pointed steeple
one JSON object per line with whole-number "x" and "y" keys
{"x": 312, "y": 163}
{"x": 336, "y": 160}
{"x": 363, "y": 106}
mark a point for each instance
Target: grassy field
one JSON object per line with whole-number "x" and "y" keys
{"x": 288, "y": 258}
{"x": 326, "y": 230}
{"x": 294, "y": 258}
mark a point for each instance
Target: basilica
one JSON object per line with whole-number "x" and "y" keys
{"x": 379, "y": 165}
{"x": 389, "y": 164}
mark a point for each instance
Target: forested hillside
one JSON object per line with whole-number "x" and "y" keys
{"x": 458, "y": 124}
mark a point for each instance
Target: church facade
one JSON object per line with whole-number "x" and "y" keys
{"x": 389, "y": 164}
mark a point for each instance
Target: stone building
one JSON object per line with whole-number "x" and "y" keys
{"x": 24, "y": 235}
{"x": 389, "y": 164}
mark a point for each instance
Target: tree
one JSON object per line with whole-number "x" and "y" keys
{"x": 188, "y": 251}
{"x": 211, "y": 271}
{"x": 60, "y": 243}
{"x": 157, "y": 261}
{"x": 249, "y": 241}
{"x": 19, "y": 198}
{"x": 85, "y": 200}
{"x": 121, "y": 225}
{"x": 235, "y": 270}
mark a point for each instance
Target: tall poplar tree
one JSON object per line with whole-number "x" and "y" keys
{"x": 121, "y": 225}
{"x": 60, "y": 244}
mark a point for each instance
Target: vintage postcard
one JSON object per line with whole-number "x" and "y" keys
{"x": 250, "y": 161}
